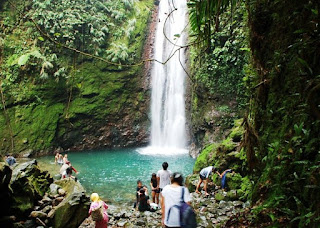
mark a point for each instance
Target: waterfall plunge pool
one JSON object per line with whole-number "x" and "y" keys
{"x": 113, "y": 173}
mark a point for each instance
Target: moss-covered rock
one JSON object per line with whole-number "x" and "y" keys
{"x": 224, "y": 154}
{"x": 75, "y": 206}
{"x": 95, "y": 105}
{"x": 28, "y": 184}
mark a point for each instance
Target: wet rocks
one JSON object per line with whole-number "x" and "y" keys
{"x": 29, "y": 194}
{"x": 28, "y": 184}
{"x": 210, "y": 213}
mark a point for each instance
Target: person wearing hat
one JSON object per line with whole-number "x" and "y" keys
{"x": 204, "y": 177}
{"x": 98, "y": 211}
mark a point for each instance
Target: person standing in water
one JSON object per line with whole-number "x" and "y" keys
{"x": 60, "y": 160}
{"x": 154, "y": 188}
{"x": 65, "y": 158}
{"x": 98, "y": 211}
{"x": 163, "y": 176}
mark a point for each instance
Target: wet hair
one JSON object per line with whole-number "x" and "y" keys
{"x": 177, "y": 178}
{"x": 139, "y": 181}
{"x": 165, "y": 165}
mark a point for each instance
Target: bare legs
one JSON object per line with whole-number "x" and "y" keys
{"x": 155, "y": 197}
{"x": 198, "y": 186}
{"x": 205, "y": 186}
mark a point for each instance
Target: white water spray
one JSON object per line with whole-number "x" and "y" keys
{"x": 168, "y": 133}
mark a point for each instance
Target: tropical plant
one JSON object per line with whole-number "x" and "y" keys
{"x": 205, "y": 18}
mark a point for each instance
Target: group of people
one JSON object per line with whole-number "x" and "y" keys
{"x": 164, "y": 184}
{"x": 167, "y": 191}
{"x": 66, "y": 167}
{"x": 204, "y": 177}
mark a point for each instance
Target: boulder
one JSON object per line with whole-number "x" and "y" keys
{"x": 28, "y": 184}
{"x": 26, "y": 153}
{"x": 46, "y": 209}
{"x": 219, "y": 196}
{"x": 61, "y": 192}
{"x": 5, "y": 191}
{"x": 38, "y": 214}
{"x": 232, "y": 195}
{"x": 54, "y": 189}
{"x": 73, "y": 210}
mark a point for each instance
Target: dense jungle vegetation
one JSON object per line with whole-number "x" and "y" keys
{"x": 65, "y": 83}
{"x": 280, "y": 78}
{"x": 55, "y": 90}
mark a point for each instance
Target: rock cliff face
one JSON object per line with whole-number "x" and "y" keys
{"x": 98, "y": 105}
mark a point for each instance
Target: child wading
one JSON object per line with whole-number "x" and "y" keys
{"x": 98, "y": 211}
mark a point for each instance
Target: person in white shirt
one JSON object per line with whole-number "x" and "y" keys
{"x": 163, "y": 176}
{"x": 171, "y": 195}
{"x": 204, "y": 177}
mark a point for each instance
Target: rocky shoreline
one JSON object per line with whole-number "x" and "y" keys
{"x": 210, "y": 213}
{"x": 34, "y": 199}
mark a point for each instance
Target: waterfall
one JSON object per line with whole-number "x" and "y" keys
{"x": 168, "y": 131}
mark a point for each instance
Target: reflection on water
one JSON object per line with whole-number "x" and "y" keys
{"x": 114, "y": 173}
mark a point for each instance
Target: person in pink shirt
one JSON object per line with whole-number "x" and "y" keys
{"x": 98, "y": 211}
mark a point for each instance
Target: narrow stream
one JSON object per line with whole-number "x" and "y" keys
{"x": 113, "y": 173}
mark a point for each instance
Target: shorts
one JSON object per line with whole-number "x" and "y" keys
{"x": 202, "y": 177}
{"x": 156, "y": 191}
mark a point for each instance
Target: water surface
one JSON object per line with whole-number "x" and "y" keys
{"x": 114, "y": 173}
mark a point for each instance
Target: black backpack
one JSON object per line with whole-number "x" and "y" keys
{"x": 187, "y": 215}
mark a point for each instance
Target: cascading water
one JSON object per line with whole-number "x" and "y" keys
{"x": 168, "y": 133}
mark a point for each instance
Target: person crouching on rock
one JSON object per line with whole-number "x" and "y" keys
{"x": 139, "y": 187}
{"x": 144, "y": 203}
{"x": 98, "y": 211}
{"x": 68, "y": 174}
{"x": 204, "y": 177}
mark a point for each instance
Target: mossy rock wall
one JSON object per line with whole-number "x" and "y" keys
{"x": 97, "y": 106}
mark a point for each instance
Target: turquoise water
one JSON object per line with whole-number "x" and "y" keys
{"x": 114, "y": 173}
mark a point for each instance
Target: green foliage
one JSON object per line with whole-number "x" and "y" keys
{"x": 82, "y": 26}
{"x": 284, "y": 111}
{"x": 221, "y": 71}
{"x": 204, "y": 158}
{"x": 204, "y": 18}
{"x": 50, "y": 91}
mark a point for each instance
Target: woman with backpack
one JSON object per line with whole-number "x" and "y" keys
{"x": 98, "y": 211}
{"x": 175, "y": 200}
